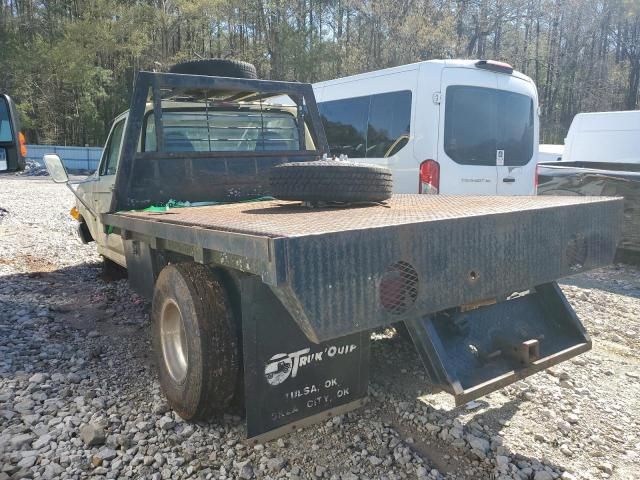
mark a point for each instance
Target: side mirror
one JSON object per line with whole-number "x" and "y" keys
{"x": 56, "y": 169}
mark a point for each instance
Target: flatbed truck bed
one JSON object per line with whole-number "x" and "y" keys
{"x": 462, "y": 249}
{"x": 323, "y": 278}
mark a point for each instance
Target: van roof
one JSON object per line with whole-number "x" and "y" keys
{"x": 620, "y": 120}
{"x": 457, "y": 63}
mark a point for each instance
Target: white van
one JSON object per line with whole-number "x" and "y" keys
{"x": 442, "y": 126}
{"x": 604, "y": 137}
{"x": 550, "y": 153}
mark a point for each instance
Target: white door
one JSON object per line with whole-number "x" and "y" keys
{"x": 467, "y": 132}
{"x": 517, "y": 136}
{"x": 109, "y": 244}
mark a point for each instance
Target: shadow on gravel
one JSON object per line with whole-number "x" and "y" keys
{"x": 75, "y": 308}
{"x": 628, "y": 256}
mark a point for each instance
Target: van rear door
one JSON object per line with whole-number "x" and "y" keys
{"x": 517, "y": 136}
{"x": 467, "y": 132}
{"x": 488, "y": 133}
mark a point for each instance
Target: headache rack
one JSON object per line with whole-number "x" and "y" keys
{"x": 163, "y": 170}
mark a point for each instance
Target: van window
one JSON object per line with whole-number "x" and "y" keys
{"x": 389, "y": 119}
{"x": 479, "y": 121}
{"x": 6, "y": 134}
{"x": 345, "y": 125}
{"x": 373, "y": 126}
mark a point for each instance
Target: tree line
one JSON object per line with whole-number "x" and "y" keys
{"x": 70, "y": 64}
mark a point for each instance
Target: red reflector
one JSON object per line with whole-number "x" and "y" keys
{"x": 429, "y": 177}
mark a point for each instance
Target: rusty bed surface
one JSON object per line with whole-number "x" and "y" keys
{"x": 275, "y": 218}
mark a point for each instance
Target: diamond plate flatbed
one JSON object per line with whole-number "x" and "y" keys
{"x": 277, "y": 218}
{"x": 327, "y": 265}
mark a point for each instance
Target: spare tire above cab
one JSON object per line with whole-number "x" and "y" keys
{"x": 216, "y": 67}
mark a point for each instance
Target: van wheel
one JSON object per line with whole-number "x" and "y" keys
{"x": 331, "y": 181}
{"x": 194, "y": 340}
{"x": 216, "y": 67}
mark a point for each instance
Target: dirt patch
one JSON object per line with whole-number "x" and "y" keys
{"x": 29, "y": 263}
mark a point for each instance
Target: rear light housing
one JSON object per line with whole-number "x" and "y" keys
{"x": 535, "y": 180}
{"x": 23, "y": 144}
{"x": 429, "y": 182}
{"x": 494, "y": 66}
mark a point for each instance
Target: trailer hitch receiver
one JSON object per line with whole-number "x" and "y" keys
{"x": 470, "y": 353}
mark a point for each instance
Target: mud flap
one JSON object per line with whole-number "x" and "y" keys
{"x": 289, "y": 381}
{"x": 471, "y": 353}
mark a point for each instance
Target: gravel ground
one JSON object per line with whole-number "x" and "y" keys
{"x": 79, "y": 395}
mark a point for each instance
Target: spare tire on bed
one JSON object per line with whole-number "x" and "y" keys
{"x": 216, "y": 67}
{"x": 331, "y": 181}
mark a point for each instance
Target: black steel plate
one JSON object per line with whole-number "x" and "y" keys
{"x": 281, "y": 219}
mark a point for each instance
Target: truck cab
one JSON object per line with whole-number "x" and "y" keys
{"x": 253, "y": 128}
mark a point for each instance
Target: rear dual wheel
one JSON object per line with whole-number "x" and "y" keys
{"x": 195, "y": 340}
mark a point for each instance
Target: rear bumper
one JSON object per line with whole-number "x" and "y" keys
{"x": 493, "y": 346}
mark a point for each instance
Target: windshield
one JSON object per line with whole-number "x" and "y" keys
{"x": 6, "y": 134}
{"x": 228, "y": 130}
{"x": 480, "y": 121}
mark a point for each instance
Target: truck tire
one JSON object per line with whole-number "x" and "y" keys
{"x": 195, "y": 340}
{"x": 217, "y": 67}
{"x": 331, "y": 181}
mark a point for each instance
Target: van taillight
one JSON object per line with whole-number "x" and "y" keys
{"x": 429, "y": 177}
{"x": 535, "y": 180}
{"x": 23, "y": 144}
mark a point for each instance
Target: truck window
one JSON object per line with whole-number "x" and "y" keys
{"x": 112, "y": 150}
{"x": 479, "y": 121}
{"x": 224, "y": 131}
{"x": 372, "y": 126}
{"x": 6, "y": 133}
